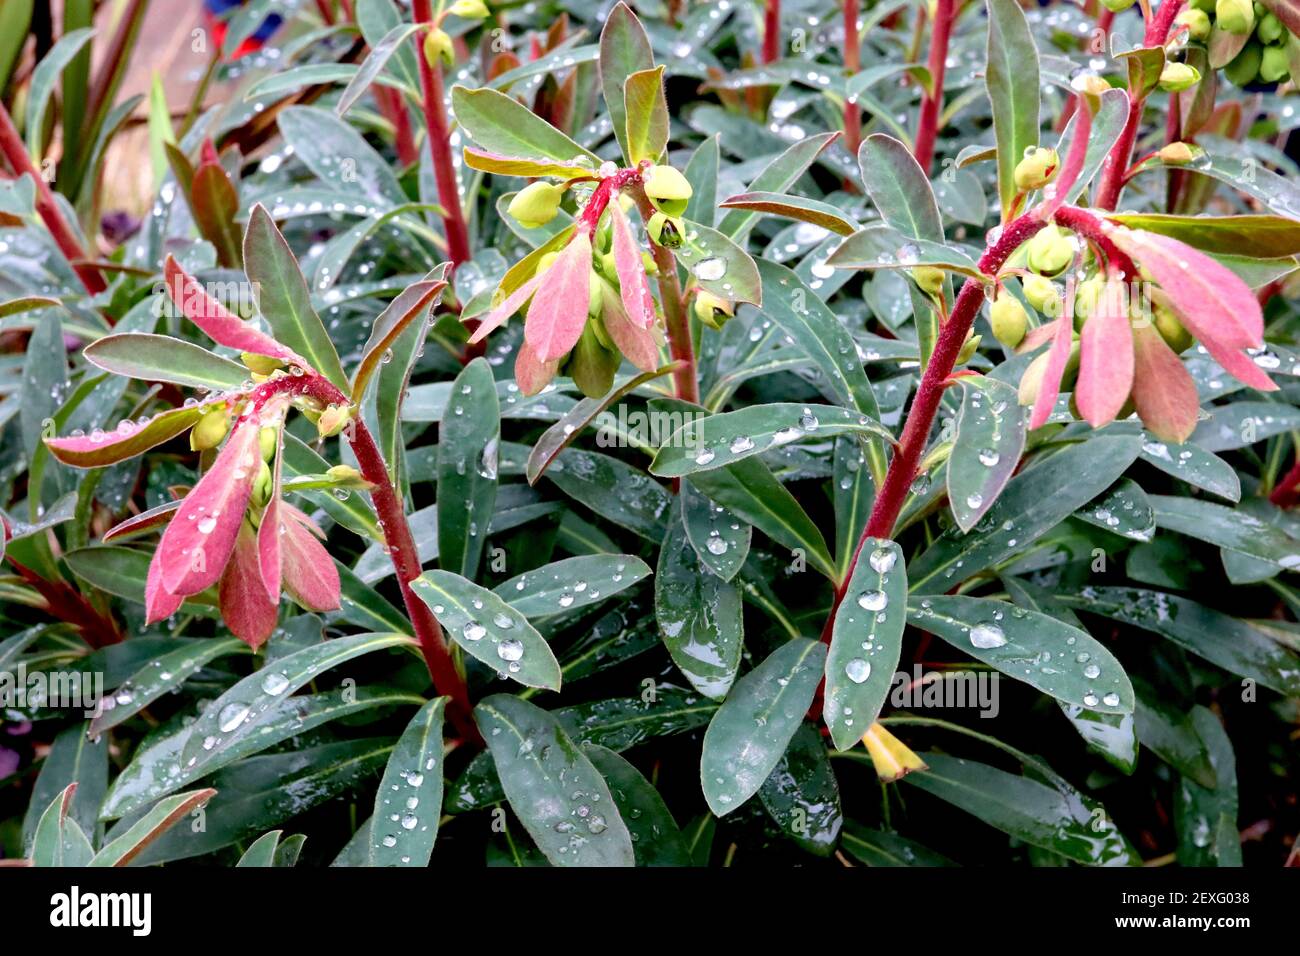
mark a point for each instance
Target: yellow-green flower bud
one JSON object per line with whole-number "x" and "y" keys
{"x": 591, "y": 365}
{"x": 1050, "y": 252}
{"x": 536, "y": 204}
{"x": 346, "y": 475}
{"x": 648, "y": 261}
{"x": 1245, "y": 65}
{"x": 333, "y": 419}
{"x": 268, "y": 439}
{"x": 1273, "y": 66}
{"x": 594, "y": 292}
{"x": 263, "y": 485}
{"x": 664, "y": 230}
{"x": 713, "y": 310}
{"x": 210, "y": 429}
{"x": 1086, "y": 296}
{"x": 1234, "y": 16}
{"x": 1172, "y": 330}
{"x": 1032, "y": 380}
{"x": 1043, "y": 294}
{"x": 260, "y": 364}
{"x": 668, "y": 189}
{"x": 545, "y": 262}
{"x": 469, "y": 9}
{"x": 438, "y": 49}
{"x": 1036, "y": 169}
{"x": 1008, "y": 320}
{"x": 1176, "y": 77}
{"x": 1205, "y": 5}
{"x": 968, "y": 348}
{"x": 1180, "y": 153}
{"x": 1117, "y": 6}
{"x": 1197, "y": 23}
{"x": 929, "y": 278}
{"x": 1270, "y": 28}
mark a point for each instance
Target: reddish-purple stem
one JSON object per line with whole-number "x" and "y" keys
{"x": 928, "y": 123}
{"x": 772, "y": 31}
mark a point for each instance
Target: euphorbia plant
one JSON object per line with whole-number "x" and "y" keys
{"x": 983, "y": 400}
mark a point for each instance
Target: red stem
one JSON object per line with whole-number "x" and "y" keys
{"x": 772, "y": 31}
{"x": 394, "y": 109}
{"x": 928, "y": 123}
{"x": 920, "y": 419}
{"x": 1287, "y": 492}
{"x": 435, "y": 117}
{"x": 678, "y": 324}
{"x": 852, "y": 64}
{"x": 447, "y": 680}
{"x": 11, "y": 145}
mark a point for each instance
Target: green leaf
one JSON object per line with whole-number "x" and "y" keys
{"x": 41, "y": 86}
{"x": 161, "y": 358}
{"x": 699, "y": 614}
{"x": 986, "y": 449}
{"x": 59, "y": 841}
{"x": 123, "y": 850}
{"x": 801, "y": 794}
{"x": 1194, "y": 465}
{"x": 554, "y": 789}
{"x": 883, "y": 848}
{"x": 163, "y": 674}
{"x": 262, "y": 852}
{"x": 1168, "y": 732}
{"x": 373, "y": 65}
{"x": 1206, "y": 817}
{"x": 1222, "y": 640}
{"x": 1123, "y": 509}
{"x": 1037, "y": 649}
{"x": 647, "y": 115}
{"x": 624, "y": 50}
{"x": 1034, "y": 502}
{"x": 1241, "y": 424}
{"x": 749, "y": 490}
{"x": 489, "y": 629}
{"x": 1022, "y": 808}
{"x": 72, "y": 758}
{"x": 339, "y": 156}
{"x": 261, "y": 793}
{"x": 720, "y": 539}
{"x": 411, "y": 791}
{"x": 879, "y": 246}
{"x": 283, "y": 298}
{"x": 614, "y": 490}
{"x": 500, "y": 124}
{"x": 866, "y": 641}
{"x": 156, "y": 769}
{"x": 1233, "y": 528}
{"x": 468, "y": 439}
{"x": 753, "y": 727}
{"x": 719, "y": 265}
{"x": 1257, "y": 236}
{"x": 572, "y": 584}
{"x": 1111, "y": 735}
{"x": 1012, "y": 78}
{"x": 809, "y": 322}
{"x": 702, "y": 173}
{"x": 794, "y": 207}
{"x": 214, "y": 202}
{"x": 400, "y": 314}
{"x": 252, "y": 701}
{"x": 778, "y": 176}
{"x": 656, "y": 840}
{"x": 716, "y": 441}
{"x": 899, "y": 188}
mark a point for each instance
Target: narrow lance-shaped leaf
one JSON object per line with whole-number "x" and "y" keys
{"x": 656, "y": 839}
{"x": 409, "y": 306}
{"x": 699, "y": 615}
{"x": 468, "y": 441}
{"x": 489, "y": 629}
{"x": 720, "y": 538}
{"x": 251, "y": 702}
{"x": 716, "y": 441}
{"x": 624, "y": 50}
{"x": 163, "y": 674}
{"x": 1013, "y": 87}
{"x": 408, "y": 803}
{"x": 558, "y": 312}
{"x": 634, "y": 287}
{"x": 101, "y": 448}
{"x": 647, "y": 115}
{"x": 866, "y": 641}
{"x": 283, "y": 297}
{"x": 571, "y": 584}
{"x": 59, "y": 840}
{"x": 986, "y": 449}
{"x": 559, "y": 796}
{"x": 161, "y": 358}
{"x": 168, "y": 812}
{"x": 753, "y": 727}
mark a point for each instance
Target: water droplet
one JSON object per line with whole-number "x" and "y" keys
{"x": 857, "y": 670}
{"x": 510, "y": 650}
{"x": 987, "y": 635}
{"x": 274, "y": 683}
{"x": 882, "y": 560}
{"x": 231, "y": 717}
{"x": 873, "y": 600}
{"x": 473, "y": 631}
